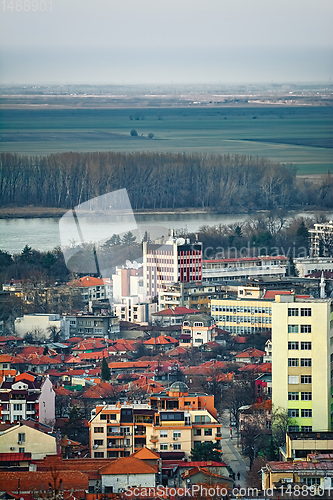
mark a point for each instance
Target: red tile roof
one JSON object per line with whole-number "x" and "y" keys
{"x": 31, "y": 481}
{"x": 177, "y": 311}
{"x": 161, "y": 340}
{"x": 87, "y": 281}
{"x": 145, "y": 454}
{"x": 128, "y": 465}
{"x": 251, "y": 353}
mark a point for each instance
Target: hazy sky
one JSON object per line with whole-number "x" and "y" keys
{"x": 179, "y": 41}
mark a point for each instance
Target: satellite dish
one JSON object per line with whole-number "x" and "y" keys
{"x": 180, "y": 241}
{"x": 135, "y": 264}
{"x": 129, "y": 264}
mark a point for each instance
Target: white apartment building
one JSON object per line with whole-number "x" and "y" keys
{"x": 237, "y": 268}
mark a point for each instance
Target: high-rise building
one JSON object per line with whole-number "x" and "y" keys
{"x": 302, "y": 338}
{"x": 172, "y": 261}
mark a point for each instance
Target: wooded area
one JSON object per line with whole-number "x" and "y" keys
{"x": 158, "y": 180}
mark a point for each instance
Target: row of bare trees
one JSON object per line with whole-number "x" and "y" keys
{"x": 153, "y": 180}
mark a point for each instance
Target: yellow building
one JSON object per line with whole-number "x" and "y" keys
{"x": 248, "y": 313}
{"x": 28, "y": 437}
{"x": 173, "y": 423}
{"x": 302, "y": 338}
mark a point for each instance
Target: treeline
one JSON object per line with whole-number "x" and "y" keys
{"x": 158, "y": 180}
{"x": 153, "y": 180}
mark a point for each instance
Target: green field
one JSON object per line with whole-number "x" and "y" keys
{"x": 300, "y": 135}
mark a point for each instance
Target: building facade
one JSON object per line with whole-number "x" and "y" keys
{"x": 31, "y": 396}
{"x": 200, "y": 327}
{"x": 91, "y": 325}
{"x": 26, "y": 438}
{"x": 240, "y": 268}
{"x": 301, "y": 361}
{"x": 173, "y": 423}
{"x": 173, "y": 261}
{"x": 191, "y": 295}
{"x": 246, "y": 314}
{"x": 321, "y": 240}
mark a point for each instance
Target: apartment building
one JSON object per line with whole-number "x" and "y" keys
{"x": 91, "y": 325}
{"x": 198, "y": 328}
{"x": 302, "y": 338}
{"x": 240, "y": 268}
{"x": 93, "y": 288}
{"x": 173, "y": 423}
{"x": 321, "y": 240}
{"x": 190, "y": 295}
{"x": 27, "y": 396}
{"x": 248, "y": 313}
{"x": 309, "y": 265}
{"x": 130, "y": 309}
{"x": 172, "y": 261}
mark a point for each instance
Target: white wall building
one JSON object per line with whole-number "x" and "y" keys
{"x": 230, "y": 269}
{"x": 308, "y": 265}
{"x": 37, "y": 324}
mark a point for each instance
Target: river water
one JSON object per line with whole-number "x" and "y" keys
{"x": 43, "y": 234}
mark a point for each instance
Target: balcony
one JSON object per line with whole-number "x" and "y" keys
{"x": 113, "y": 446}
{"x": 154, "y": 439}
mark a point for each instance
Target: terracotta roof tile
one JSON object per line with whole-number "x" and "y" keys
{"x": 128, "y": 465}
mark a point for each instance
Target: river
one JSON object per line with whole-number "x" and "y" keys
{"x": 43, "y": 233}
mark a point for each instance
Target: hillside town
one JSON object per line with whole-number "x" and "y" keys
{"x": 176, "y": 374}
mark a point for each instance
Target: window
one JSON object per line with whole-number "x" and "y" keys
{"x": 311, "y": 481}
{"x": 293, "y": 362}
{"x": 306, "y": 428}
{"x": 306, "y": 396}
{"x": 305, "y": 346}
{"x": 98, "y": 429}
{"x": 197, "y": 432}
{"x": 163, "y": 434}
{"x": 305, "y": 328}
{"x": 99, "y": 454}
{"x": 208, "y": 432}
{"x": 293, "y": 428}
{"x": 293, "y": 379}
{"x": 98, "y": 442}
{"x": 201, "y": 418}
{"x": 18, "y": 407}
{"x": 293, "y": 346}
{"x": 305, "y": 311}
{"x": 306, "y": 362}
{"x": 306, "y": 379}
{"x": 163, "y": 446}
{"x": 306, "y": 413}
{"x": 177, "y": 434}
{"x": 198, "y": 324}
{"x": 21, "y": 437}
{"x": 293, "y": 396}
{"x": 21, "y": 450}
{"x": 177, "y": 446}
{"x": 292, "y": 328}
{"x": 292, "y": 311}
{"x": 293, "y": 412}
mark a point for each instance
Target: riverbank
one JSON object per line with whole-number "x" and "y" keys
{"x": 56, "y": 213}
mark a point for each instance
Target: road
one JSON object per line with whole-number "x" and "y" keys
{"x": 232, "y": 453}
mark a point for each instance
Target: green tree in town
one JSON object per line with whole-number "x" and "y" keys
{"x": 205, "y": 451}
{"x": 105, "y": 370}
{"x": 128, "y": 239}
